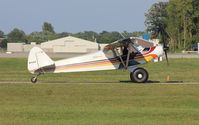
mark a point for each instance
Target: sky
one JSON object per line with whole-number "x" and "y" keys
{"x": 74, "y": 15}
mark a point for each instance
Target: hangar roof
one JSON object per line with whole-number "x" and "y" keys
{"x": 65, "y": 41}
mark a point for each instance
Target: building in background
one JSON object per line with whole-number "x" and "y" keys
{"x": 70, "y": 45}
{"x": 63, "y": 45}
{"x": 15, "y": 47}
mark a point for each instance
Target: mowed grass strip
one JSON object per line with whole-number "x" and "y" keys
{"x": 116, "y": 103}
{"x": 185, "y": 70}
{"x": 99, "y": 104}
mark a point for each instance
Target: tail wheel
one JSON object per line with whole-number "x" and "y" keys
{"x": 34, "y": 79}
{"x": 139, "y": 75}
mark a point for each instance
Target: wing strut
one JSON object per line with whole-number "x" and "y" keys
{"x": 127, "y": 59}
{"x": 120, "y": 58}
{"x": 123, "y": 61}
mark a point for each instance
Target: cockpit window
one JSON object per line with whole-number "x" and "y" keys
{"x": 134, "y": 48}
{"x": 138, "y": 47}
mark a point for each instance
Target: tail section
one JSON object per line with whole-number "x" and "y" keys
{"x": 39, "y": 61}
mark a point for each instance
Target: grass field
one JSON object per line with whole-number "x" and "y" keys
{"x": 115, "y": 103}
{"x": 185, "y": 70}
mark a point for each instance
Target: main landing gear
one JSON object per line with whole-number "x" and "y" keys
{"x": 139, "y": 75}
{"x": 34, "y": 78}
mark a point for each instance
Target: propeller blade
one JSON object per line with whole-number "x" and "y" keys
{"x": 165, "y": 44}
{"x": 166, "y": 48}
{"x": 166, "y": 55}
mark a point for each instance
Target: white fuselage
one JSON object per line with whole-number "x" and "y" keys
{"x": 89, "y": 62}
{"x": 39, "y": 62}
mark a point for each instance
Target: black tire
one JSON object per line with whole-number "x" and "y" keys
{"x": 34, "y": 79}
{"x": 139, "y": 75}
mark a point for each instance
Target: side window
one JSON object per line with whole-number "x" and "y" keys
{"x": 146, "y": 49}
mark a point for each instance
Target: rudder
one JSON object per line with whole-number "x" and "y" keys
{"x": 39, "y": 61}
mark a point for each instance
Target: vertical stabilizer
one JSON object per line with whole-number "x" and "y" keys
{"x": 38, "y": 60}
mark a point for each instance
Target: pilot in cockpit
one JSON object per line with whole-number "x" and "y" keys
{"x": 128, "y": 48}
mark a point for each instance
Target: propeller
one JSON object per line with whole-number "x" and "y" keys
{"x": 166, "y": 48}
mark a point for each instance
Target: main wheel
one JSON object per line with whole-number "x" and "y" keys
{"x": 139, "y": 75}
{"x": 34, "y": 79}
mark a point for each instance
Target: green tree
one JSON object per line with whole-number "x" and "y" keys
{"x": 174, "y": 26}
{"x": 180, "y": 23}
{"x": 177, "y": 20}
{"x": 156, "y": 18}
{"x": 108, "y": 37}
{"x": 37, "y": 37}
{"x": 103, "y": 37}
{"x": 47, "y": 33}
{"x": 48, "y": 28}
{"x": 195, "y": 30}
{"x": 40, "y": 37}
{"x": 138, "y": 34}
{"x": 63, "y": 34}
{"x": 17, "y": 35}
{"x": 3, "y": 44}
{"x": 87, "y": 35}
{"x": 1, "y": 34}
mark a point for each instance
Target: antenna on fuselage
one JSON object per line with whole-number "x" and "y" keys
{"x": 122, "y": 35}
{"x": 98, "y": 45}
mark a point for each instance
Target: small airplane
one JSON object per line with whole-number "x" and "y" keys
{"x": 123, "y": 54}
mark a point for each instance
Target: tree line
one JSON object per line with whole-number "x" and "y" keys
{"x": 176, "y": 22}
{"x": 48, "y": 33}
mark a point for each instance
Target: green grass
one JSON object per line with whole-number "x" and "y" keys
{"x": 99, "y": 104}
{"x": 116, "y": 103}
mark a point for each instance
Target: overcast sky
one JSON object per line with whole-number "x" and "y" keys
{"x": 74, "y": 15}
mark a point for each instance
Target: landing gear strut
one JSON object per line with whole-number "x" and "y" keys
{"x": 34, "y": 78}
{"x": 139, "y": 75}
